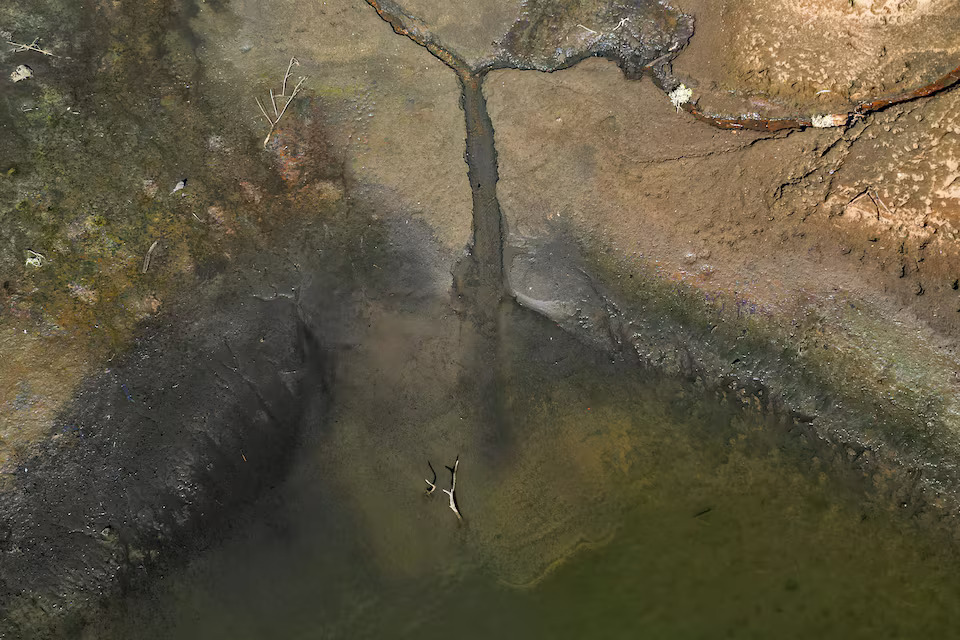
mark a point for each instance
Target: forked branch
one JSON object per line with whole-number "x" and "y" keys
{"x": 278, "y": 111}
{"x": 453, "y": 488}
{"x": 33, "y": 46}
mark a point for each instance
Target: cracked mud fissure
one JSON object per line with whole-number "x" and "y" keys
{"x": 483, "y": 274}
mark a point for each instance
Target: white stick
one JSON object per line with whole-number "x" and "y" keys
{"x": 146, "y": 259}
{"x": 263, "y": 111}
{"x": 33, "y": 46}
{"x": 278, "y": 112}
{"x": 453, "y": 488}
{"x": 293, "y": 61}
{"x": 432, "y": 485}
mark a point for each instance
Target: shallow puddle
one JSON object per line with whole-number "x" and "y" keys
{"x": 606, "y": 503}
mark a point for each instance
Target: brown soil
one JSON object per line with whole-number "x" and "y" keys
{"x": 786, "y": 58}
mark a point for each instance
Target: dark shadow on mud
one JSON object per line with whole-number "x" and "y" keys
{"x": 155, "y": 455}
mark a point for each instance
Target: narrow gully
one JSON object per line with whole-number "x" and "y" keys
{"x": 479, "y": 278}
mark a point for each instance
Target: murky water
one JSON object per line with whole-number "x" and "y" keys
{"x": 600, "y": 500}
{"x": 606, "y": 504}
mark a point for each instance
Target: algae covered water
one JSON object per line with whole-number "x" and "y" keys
{"x": 607, "y": 504}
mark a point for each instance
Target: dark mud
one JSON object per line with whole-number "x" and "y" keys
{"x": 639, "y": 35}
{"x": 154, "y": 456}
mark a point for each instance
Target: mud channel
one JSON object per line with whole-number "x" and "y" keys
{"x": 474, "y": 241}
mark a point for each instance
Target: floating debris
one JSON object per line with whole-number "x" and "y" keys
{"x": 22, "y": 72}
{"x": 179, "y": 186}
{"x": 83, "y": 294}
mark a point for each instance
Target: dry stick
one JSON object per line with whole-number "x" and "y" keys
{"x": 146, "y": 258}
{"x": 432, "y": 485}
{"x": 877, "y": 196}
{"x": 33, "y": 46}
{"x": 286, "y": 76}
{"x": 278, "y": 113}
{"x": 453, "y": 488}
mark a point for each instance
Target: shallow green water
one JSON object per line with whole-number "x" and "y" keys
{"x": 679, "y": 516}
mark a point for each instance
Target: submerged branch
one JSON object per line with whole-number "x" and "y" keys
{"x": 453, "y": 488}
{"x": 431, "y": 486}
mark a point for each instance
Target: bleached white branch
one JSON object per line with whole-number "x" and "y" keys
{"x": 453, "y": 488}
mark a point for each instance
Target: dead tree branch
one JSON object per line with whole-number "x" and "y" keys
{"x": 277, "y": 110}
{"x": 453, "y": 488}
{"x": 33, "y": 46}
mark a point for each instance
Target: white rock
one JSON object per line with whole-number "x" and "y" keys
{"x": 22, "y": 72}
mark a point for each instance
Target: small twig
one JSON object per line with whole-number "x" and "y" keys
{"x": 286, "y": 76}
{"x": 885, "y": 207}
{"x": 293, "y": 95}
{"x": 656, "y": 60}
{"x": 33, "y": 46}
{"x": 622, "y": 22}
{"x": 146, "y": 258}
{"x": 587, "y": 29}
{"x": 263, "y": 111}
{"x": 432, "y": 485}
{"x": 278, "y": 112}
{"x": 453, "y": 487}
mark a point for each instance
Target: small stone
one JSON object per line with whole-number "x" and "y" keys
{"x": 829, "y": 120}
{"x": 22, "y": 72}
